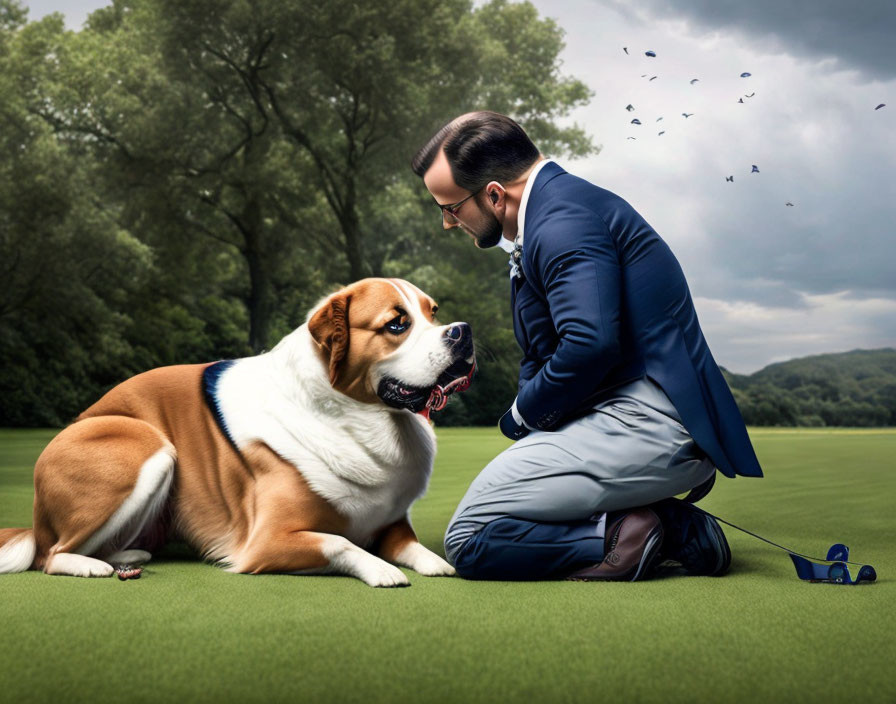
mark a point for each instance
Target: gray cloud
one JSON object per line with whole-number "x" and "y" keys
{"x": 770, "y": 282}
{"x": 857, "y": 35}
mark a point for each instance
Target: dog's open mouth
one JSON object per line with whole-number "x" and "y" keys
{"x": 455, "y": 378}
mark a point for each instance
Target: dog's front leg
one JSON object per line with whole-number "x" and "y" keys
{"x": 398, "y": 544}
{"x": 309, "y": 552}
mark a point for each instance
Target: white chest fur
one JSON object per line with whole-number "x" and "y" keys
{"x": 368, "y": 461}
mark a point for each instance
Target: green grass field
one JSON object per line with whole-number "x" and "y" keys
{"x": 190, "y": 632}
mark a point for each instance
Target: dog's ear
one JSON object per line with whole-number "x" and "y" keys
{"x": 329, "y": 328}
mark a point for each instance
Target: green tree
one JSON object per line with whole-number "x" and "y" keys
{"x": 65, "y": 266}
{"x": 209, "y": 168}
{"x": 282, "y": 131}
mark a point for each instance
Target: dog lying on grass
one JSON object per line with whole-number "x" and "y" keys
{"x": 304, "y": 460}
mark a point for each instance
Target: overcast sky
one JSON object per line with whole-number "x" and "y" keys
{"x": 770, "y": 281}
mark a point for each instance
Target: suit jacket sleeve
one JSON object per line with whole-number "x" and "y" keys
{"x": 574, "y": 264}
{"x": 528, "y": 368}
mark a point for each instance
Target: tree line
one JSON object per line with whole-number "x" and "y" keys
{"x": 856, "y": 389}
{"x": 181, "y": 182}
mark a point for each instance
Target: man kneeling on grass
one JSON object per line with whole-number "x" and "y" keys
{"x": 620, "y": 404}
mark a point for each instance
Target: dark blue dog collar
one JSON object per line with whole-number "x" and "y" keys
{"x": 211, "y": 377}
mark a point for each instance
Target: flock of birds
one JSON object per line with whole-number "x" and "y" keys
{"x": 745, "y": 74}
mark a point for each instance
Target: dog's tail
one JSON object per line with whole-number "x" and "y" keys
{"x": 17, "y": 549}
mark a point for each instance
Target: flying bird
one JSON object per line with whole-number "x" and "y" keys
{"x": 882, "y": 105}
{"x": 687, "y": 114}
{"x": 661, "y": 133}
{"x": 740, "y": 100}
{"x": 636, "y": 121}
{"x": 755, "y": 169}
{"x": 694, "y": 80}
{"x": 789, "y": 203}
{"x": 658, "y": 119}
{"x": 629, "y": 107}
{"x": 750, "y": 95}
{"x": 631, "y": 137}
{"x": 650, "y": 53}
{"x": 730, "y": 178}
{"x": 745, "y": 75}
{"x": 650, "y": 79}
{"x": 625, "y": 49}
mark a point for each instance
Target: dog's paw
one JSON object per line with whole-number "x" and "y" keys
{"x": 424, "y": 561}
{"x": 74, "y": 565}
{"x": 100, "y": 570}
{"x": 382, "y": 574}
{"x": 434, "y": 566}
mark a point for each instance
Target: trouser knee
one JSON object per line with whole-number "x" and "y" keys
{"x": 515, "y": 549}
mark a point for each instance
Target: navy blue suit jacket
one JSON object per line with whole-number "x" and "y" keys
{"x": 604, "y": 301}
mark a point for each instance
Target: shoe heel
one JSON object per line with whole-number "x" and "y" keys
{"x": 724, "y": 551}
{"x": 651, "y": 552}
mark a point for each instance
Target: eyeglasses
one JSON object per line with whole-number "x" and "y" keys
{"x": 449, "y": 211}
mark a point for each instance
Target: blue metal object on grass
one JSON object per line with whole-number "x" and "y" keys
{"x": 835, "y": 573}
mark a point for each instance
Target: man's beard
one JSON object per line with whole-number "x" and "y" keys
{"x": 488, "y": 233}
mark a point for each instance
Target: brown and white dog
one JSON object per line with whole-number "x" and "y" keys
{"x": 294, "y": 461}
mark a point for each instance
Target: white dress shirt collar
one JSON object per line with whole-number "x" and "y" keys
{"x": 505, "y": 244}
{"x": 521, "y": 216}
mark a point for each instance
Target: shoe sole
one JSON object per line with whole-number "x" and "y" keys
{"x": 651, "y": 552}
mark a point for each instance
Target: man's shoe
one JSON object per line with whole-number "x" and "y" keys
{"x": 693, "y": 539}
{"x": 633, "y": 543}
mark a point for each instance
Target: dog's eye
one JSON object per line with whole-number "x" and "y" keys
{"x": 398, "y": 325}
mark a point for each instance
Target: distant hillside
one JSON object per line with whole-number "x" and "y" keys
{"x": 855, "y": 388}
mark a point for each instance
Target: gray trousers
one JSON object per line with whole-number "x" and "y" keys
{"x": 631, "y": 451}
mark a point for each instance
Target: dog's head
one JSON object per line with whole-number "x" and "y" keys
{"x": 381, "y": 343}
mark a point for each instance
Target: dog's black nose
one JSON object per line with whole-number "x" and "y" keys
{"x": 458, "y": 331}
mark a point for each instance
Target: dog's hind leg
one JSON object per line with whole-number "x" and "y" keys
{"x": 97, "y": 485}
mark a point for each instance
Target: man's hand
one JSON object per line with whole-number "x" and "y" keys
{"x": 512, "y": 424}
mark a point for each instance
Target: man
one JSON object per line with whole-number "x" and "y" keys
{"x": 620, "y": 404}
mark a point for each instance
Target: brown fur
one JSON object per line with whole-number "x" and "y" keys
{"x": 90, "y": 468}
{"x": 8, "y": 534}
{"x": 348, "y": 332}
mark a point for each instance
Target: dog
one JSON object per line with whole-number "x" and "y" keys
{"x": 304, "y": 459}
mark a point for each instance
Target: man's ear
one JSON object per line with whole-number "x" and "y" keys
{"x": 496, "y": 195}
{"x": 329, "y": 329}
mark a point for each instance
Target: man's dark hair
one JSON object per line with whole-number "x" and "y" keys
{"x": 481, "y": 147}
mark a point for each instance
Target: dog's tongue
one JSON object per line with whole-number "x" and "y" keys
{"x": 449, "y": 384}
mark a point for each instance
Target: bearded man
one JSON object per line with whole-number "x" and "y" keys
{"x": 620, "y": 406}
